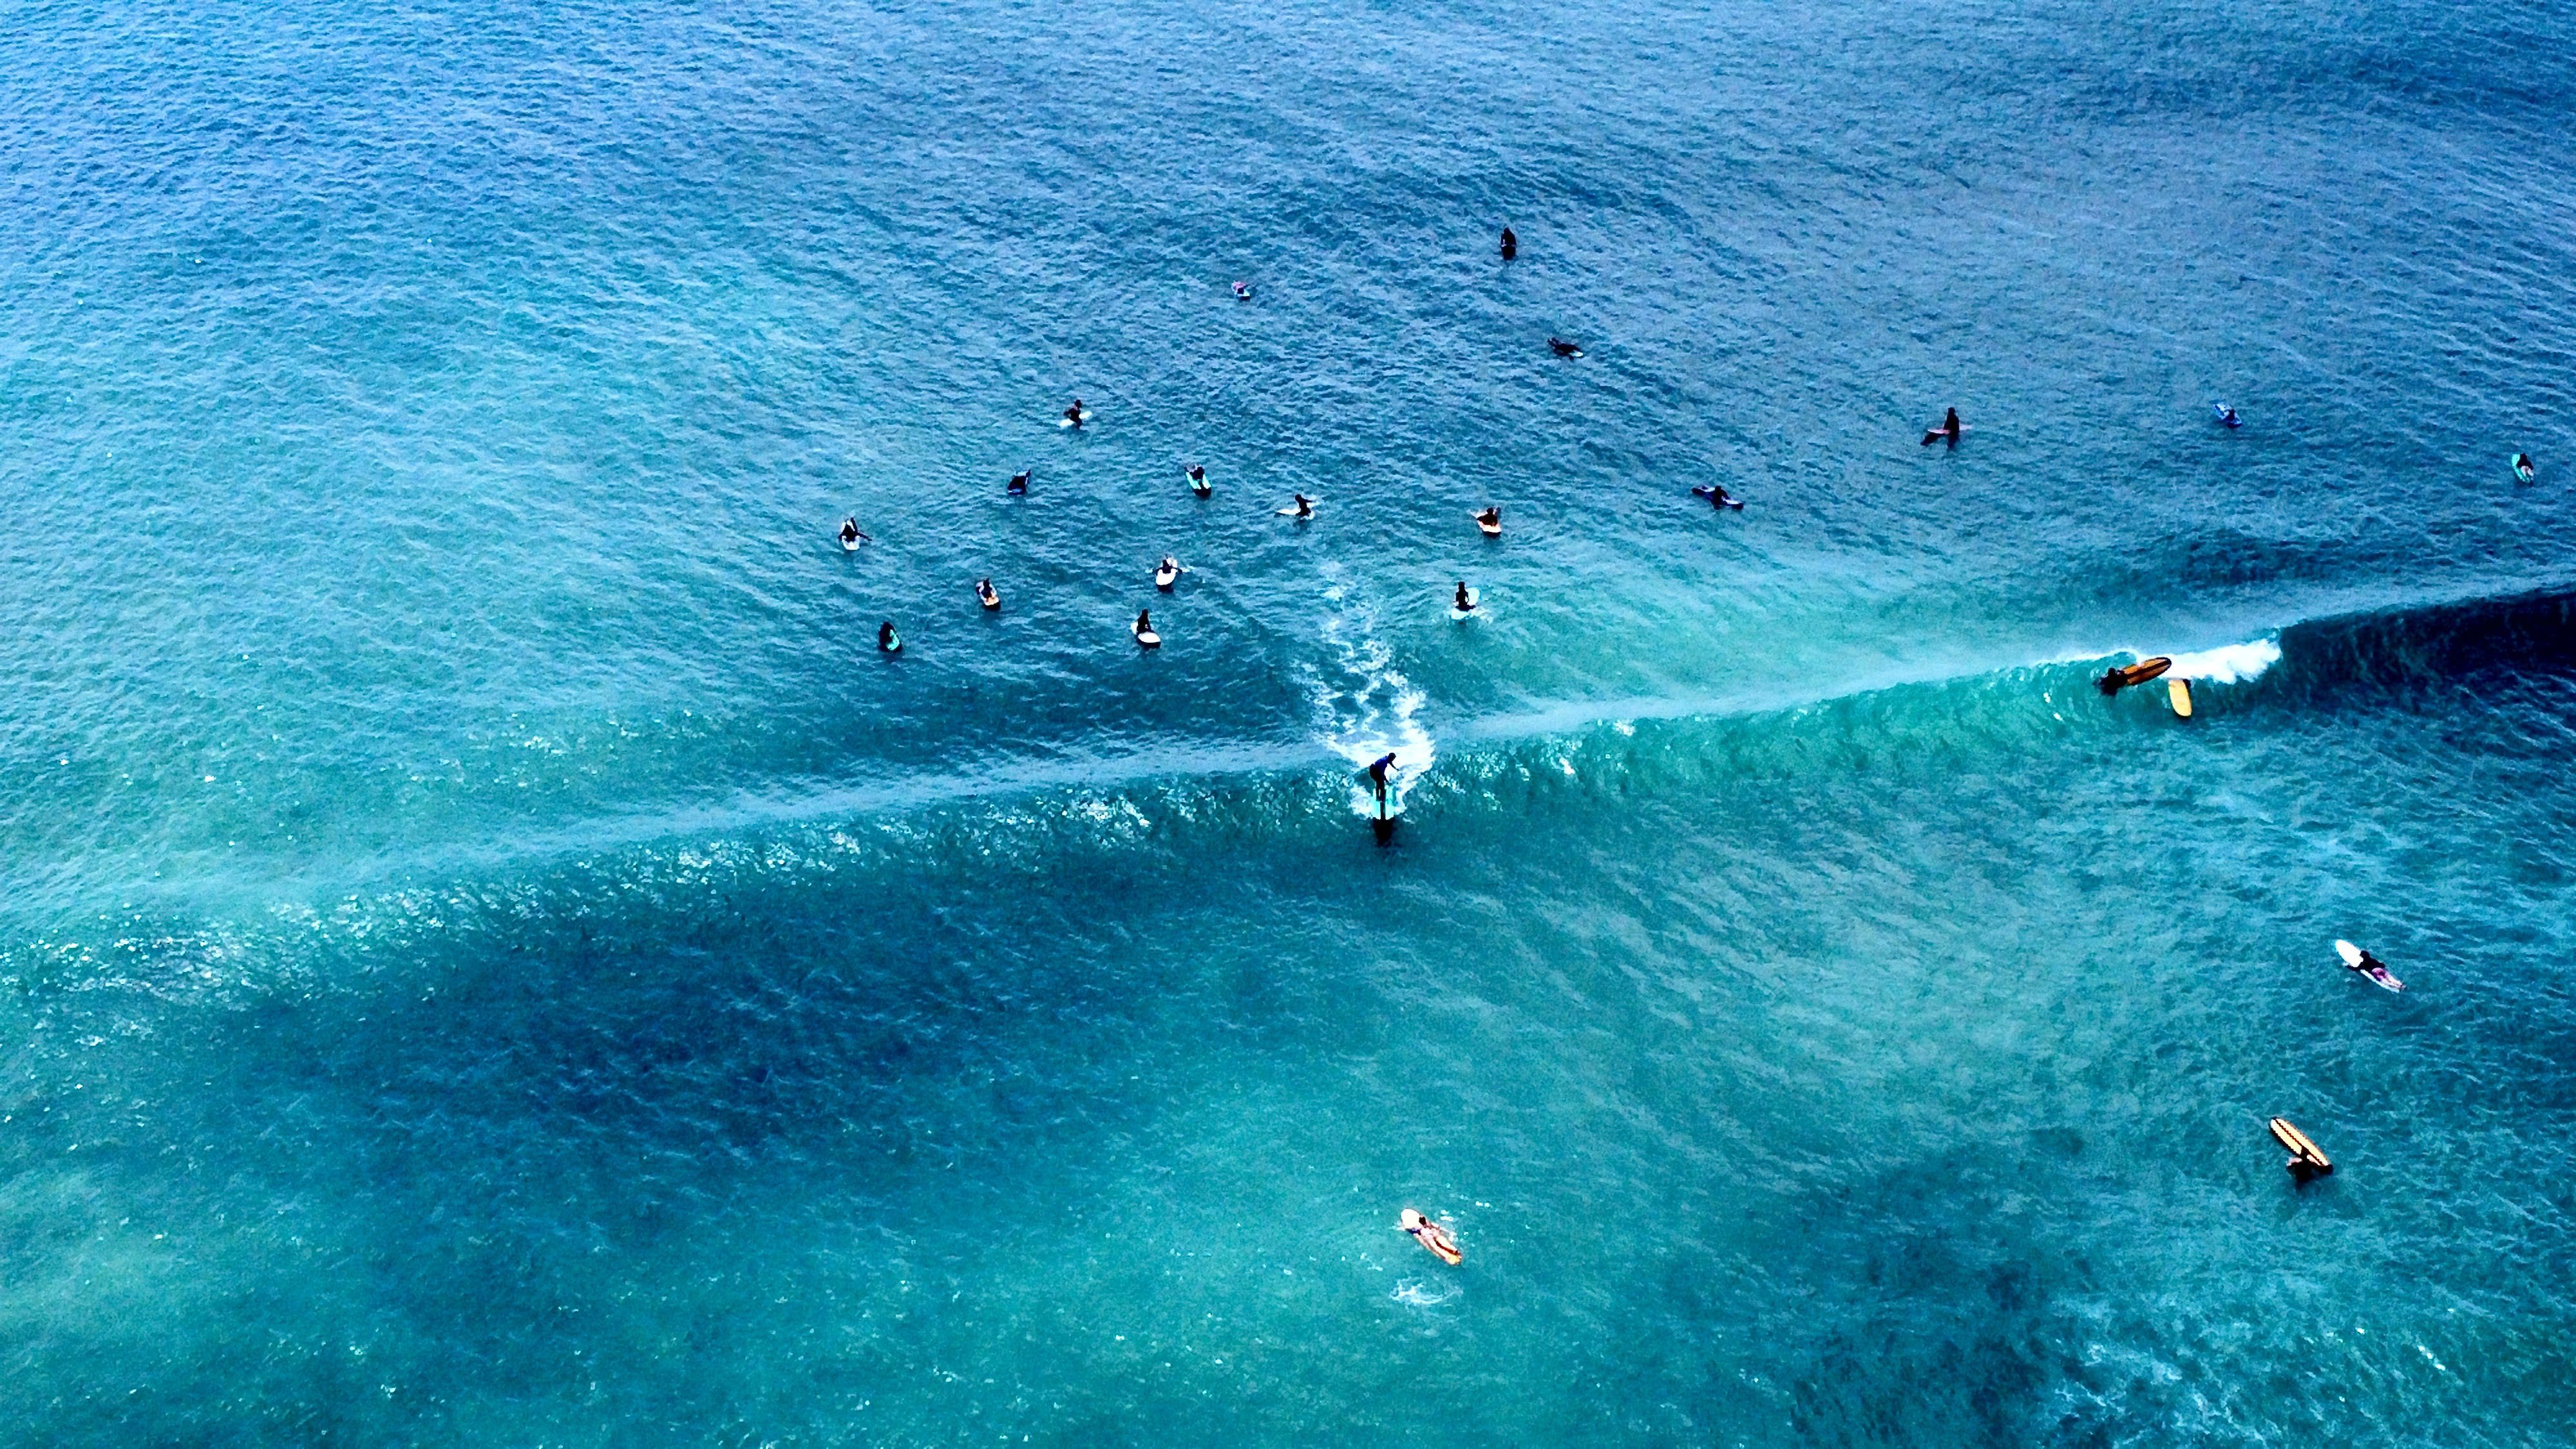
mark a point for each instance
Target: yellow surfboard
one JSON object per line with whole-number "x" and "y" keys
{"x": 2299, "y": 1145}
{"x": 2179, "y": 692}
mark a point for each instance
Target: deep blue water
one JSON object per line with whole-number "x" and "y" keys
{"x": 491, "y": 954}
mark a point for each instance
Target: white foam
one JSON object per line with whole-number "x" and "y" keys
{"x": 2233, "y": 664}
{"x": 1366, "y": 709}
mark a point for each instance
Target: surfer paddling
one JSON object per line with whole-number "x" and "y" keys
{"x": 1431, "y": 1235}
{"x": 850, "y": 535}
{"x": 1019, "y": 483}
{"x": 1950, "y": 428}
{"x": 2133, "y": 674}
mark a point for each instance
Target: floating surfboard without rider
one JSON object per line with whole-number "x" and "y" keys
{"x": 2361, "y": 961}
{"x": 2304, "y": 1156}
{"x": 2178, "y": 694}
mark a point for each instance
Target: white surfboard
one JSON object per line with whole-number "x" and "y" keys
{"x": 1312, "y": 508}
{"x": 1068, "y": 422}
{"x": 1164, "y": 578}
{"x": 2379, "y": 975}
{"x": 1492, "y": 530}
{"x": 1149, "y": 639}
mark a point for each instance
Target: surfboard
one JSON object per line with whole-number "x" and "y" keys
{"x": 1473, "y": 598}
{"x": 2299, "y": 1145}
{"x": 1432, "y": 1236}
{"x": 1290, "y": 511}
{"x": 992, "y": 601}
{"x": 1068, "y": 422}
{"x": 2354, "y": 958}
{"x": 849, "y": 545}
{"x": 1149, "y": 639}
{"x": 2134, "y": 674}
{"x": 1163, "y": 578}
{"x": 2521, "y": 470}
{"x": 1711, "y": 495}
{"x": 2178, "y": 693}
{"x": 2219, "y": 411}
{"x": 891, "y": 645}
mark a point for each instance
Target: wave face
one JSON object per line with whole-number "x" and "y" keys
{"x": 490, "y": 952}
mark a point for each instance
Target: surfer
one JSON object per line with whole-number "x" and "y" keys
{"x": 1165, "y": 572}
{"x": 850, "y": 535}
{"x": 1377, "y": 771}
{"x": 1430, "y": 1235}
{"x": 984, "y": 594}
{"x": 1717, "y": 496}
{"x": 887, "y": 640}
{"x": 1074, "y": 415}
{"x": 2522, "y": 466}
{"x": 1463, "y": 605}
{"x": 1949, "y": 428}
{"x": 2121, "y": 677}
{"x": 1491, "y": 521}
{"x": 2366, "y": 964}
{"x": 1020, "y": 481}
{"x": 1511, "y": 244}
{"x": 1243, "y": 291}
{"x": 1143, "y": 629}
{"x": 1198, "y": 479}
{"x": 2226, "y": 416}
{"x": 1563, "y": 348}
{"x": 1305, "y": 506}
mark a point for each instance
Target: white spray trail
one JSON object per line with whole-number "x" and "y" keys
{"x": 1367, "y": 709}
{"x": 2231, "y": 664}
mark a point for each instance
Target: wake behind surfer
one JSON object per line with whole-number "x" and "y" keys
{"x": 1949, "y": 429}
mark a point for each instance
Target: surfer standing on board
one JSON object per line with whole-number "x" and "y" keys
{"x": 1377, "y": 776}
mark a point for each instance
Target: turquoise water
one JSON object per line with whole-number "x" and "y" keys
{"x": 493, "y": 955}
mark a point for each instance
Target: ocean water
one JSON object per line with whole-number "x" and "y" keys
{"x": 490, "y": 954}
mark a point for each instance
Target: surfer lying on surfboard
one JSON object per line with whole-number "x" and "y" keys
{"x": 984, "y": 594}
{"x": 2138, "y": 673}
{"x": 1019, "y": 481}
{"x": 1563, "y": 348}
{"x": 850, "y": 535}
{"x": 1491, "y": 521}
{"x": 887, "y": 639}
{"x": 1950, "y": 428}
{"x": 1431, "y": 1235}
{"x": 1198, "y": 480}
{"x": 2522, "y": 466}
{"x": 1717, "y": 495}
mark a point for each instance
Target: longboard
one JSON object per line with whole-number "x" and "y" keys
{"x": 2356, "y": 959}
{"x": 2299, "y": 1145}
{"x": 1432, "y": 1236}
{"x": 2139, "y": 673}
{"x": 2178, "y": 693}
